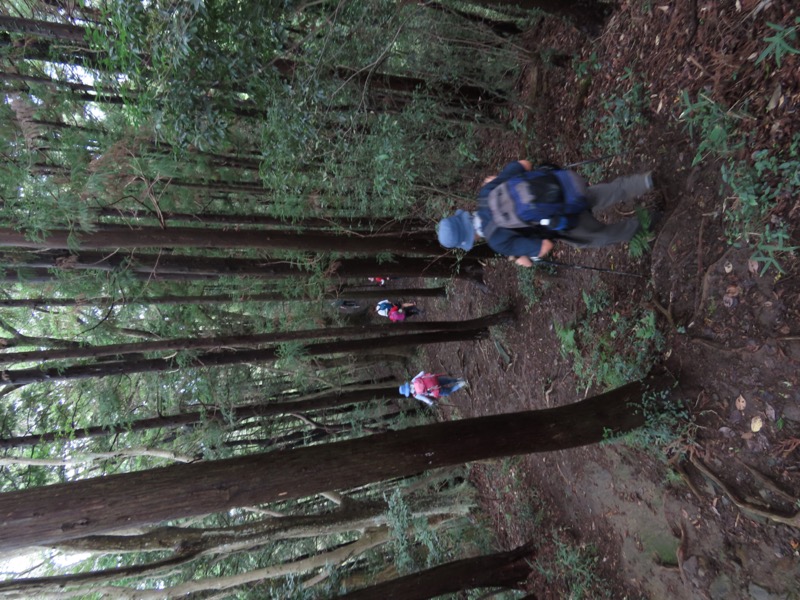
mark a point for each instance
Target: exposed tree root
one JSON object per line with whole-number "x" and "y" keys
{"x": 676, "y": 464}
{"x": 769, "y": 484}
{"x": 793, "y": 521}
{"x": 704, "y": 287}
{"x": 667, "y": 312}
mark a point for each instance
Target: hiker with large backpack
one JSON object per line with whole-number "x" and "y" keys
{"x": 428, "y": 388}
{"x": 524, "y": 210}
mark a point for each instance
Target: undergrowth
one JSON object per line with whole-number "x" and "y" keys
{"x": 608, "y": 347}
{"x": 618, "y": 116}
{"x": 573, "y": 567}
{"x": 757, "y": 185}
{"x": 669, "y": 426}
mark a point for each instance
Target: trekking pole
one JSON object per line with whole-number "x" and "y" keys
{"x": 571, "y": 266}
{"x": 599, "y": 159}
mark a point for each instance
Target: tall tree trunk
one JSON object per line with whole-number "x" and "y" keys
{"x": 504, "y": 570}
{"x": 56, "y": 513}
{"x": 382, "y": 225}
{"x": 352, "y": 516}
{"x": 187, "y": 237}
{"x": 216, "y": 359}
{"x": 342, "y": 292}
{"x": 211, "y": 413}
{"x": 155, "y": 265}
{"x": 76, "y": 53}
{"x": 62, "y": 32}
{"x": 346, "y": 268}
{"x": 196, "y": 542}
{"x": 238, "y": 341}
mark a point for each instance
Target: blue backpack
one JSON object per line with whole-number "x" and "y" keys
{"x": 541, "y": 198}
{"x": 384, "y": 307}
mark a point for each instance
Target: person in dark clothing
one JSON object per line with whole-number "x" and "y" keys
{"x": 576, "y": 226}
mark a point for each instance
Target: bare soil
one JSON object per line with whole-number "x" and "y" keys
{"x": 659, "y": 524}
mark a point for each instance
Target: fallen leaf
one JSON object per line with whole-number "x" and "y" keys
{"x": 752, "y": 266}
{"x": 741, "y": 403}
{"x": 770, "y": 412}
{"x": 747, "y": 436}
{"x": 733, "y": 290}
{"x": 756, "y": 424}
{"x": 775, "y": 98}
{"x": 728, "y": 266}
{"x": 729, "y": 301}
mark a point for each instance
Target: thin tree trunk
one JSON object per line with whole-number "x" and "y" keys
{"x": 354, "y": 515}
{"x": 210, "y": 413}
{"x": 216, "y": 359}
{"x": 346, "y": 268}
{"x": 343, "y": 292}
{"x": 56, "y": 513}
{"x": 186, "y": 237}
{"x": 380, "y": 225}
{"x": 45, "y": 29}
{"x": 229, "y": 342}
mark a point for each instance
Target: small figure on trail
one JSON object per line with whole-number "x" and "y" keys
{"x": 427, "y": 387}
{"x": 381, "y": 281}
{"x": 396, "y": 311}
{"x": 523, "y": 210}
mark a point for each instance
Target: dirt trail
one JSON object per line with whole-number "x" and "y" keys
{"x": 661, "y": 530}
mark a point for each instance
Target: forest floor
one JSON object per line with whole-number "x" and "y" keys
{"x": 619, "y": 520}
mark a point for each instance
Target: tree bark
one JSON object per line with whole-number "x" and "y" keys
{"x": 216, "y": 359}
{"x": 56, "y": 513}
{"x": 503, "y": 569}
{"x": 237, "y": 341}
{"x": 210, "y": 413}
{"x": 45, "y": 29}
{"x": 156, "y": 265}
{"x": 375, "y": 292}
{"x": 187, "y": 237}
{"x": 346, "y": 268}
{"x": 378, "y": 225}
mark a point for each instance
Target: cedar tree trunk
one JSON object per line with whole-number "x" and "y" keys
{"x": 56, "y": 513}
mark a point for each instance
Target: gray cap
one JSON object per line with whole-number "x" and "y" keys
{"x": 457, "y": 231}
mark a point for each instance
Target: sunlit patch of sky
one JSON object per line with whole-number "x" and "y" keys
{"x": 35, "y": 563}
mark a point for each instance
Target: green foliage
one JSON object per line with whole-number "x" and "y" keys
{"x": 714, "y": 126}
{"x": 640, "y": 244}
{"x": 616, "y": 122}
{"x": 669, "y": 425}
{"x": 586, "y": 68}
{"x": 778, "y": 44}
{"x": 574, "y": 567}
{"x": 756, "y": 184}
{"x": 528, "y": 286}
{"x": 773, "y": 243}
{"x": 608, "y": 348}
{"x": 408, "y": 535}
